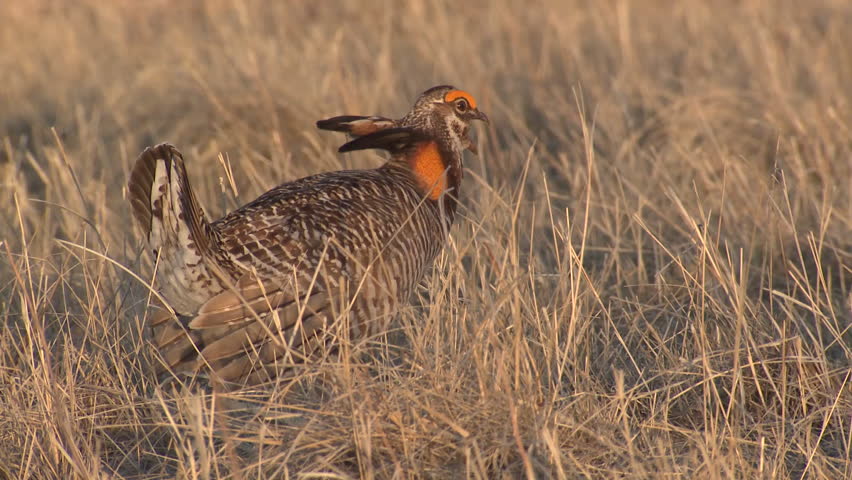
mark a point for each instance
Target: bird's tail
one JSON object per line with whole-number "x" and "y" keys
{"x": 174, "y": 226}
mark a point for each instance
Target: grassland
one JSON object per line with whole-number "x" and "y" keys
{"x": 650, "y": 278}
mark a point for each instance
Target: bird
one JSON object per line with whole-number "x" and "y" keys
{"x": 260, "y": 290}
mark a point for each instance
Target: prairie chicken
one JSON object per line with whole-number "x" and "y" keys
{"x": 258, "y": 290}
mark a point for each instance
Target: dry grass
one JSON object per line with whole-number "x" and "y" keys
{"x": 650, "y": 279}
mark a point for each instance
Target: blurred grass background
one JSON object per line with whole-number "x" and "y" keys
{"x": 650, "y": 277}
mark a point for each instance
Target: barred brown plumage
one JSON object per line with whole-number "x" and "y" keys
{"x": 258, "y": 289}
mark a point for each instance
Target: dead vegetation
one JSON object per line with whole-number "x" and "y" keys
{"x": 651, "y": 278}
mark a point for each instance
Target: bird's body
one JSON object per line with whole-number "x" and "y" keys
{"x": 258, "y": 289}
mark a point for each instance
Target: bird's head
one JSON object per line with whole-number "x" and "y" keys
{"x": 449, "y": 111}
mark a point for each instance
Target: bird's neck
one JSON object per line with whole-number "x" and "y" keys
{"x": 437, "y": 171}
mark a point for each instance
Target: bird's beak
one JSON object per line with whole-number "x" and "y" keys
{"x": 477, "y": 115}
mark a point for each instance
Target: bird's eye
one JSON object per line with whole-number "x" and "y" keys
{"x": 462, "y": 105}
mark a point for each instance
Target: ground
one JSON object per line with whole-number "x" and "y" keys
{"x": 650, "y": 276}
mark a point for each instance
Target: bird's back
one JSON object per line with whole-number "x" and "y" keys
{"x": 342, "y": 224}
